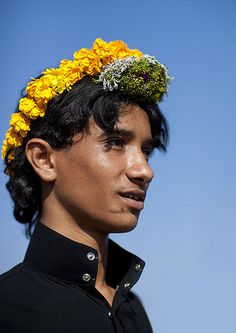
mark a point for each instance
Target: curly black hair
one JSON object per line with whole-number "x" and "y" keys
{"x": 66, "y": 115}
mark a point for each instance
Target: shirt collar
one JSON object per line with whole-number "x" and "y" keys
{"x": 62, "y": 258}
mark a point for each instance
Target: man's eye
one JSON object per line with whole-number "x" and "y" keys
{"x": 116, "y": 142}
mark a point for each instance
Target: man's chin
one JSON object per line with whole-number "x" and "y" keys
{"x": 125, "y": 225}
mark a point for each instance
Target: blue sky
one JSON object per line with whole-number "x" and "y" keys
{"x": 187, "y": 232}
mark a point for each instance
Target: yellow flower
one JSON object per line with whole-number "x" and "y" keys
{"x": 20, "y": 123}
{"x": 81, "y": 53}
{"x": 71, "y": 72}
{"x": 13, "y": 139}
{"x": 30, "y": 108}
{"x": 121, "y": 50}
{"x": 136, "y": 53}
{"x": 118, "y": 48}
{"x": 4, "y": 148}
{"x": 41, "y": 91}
{"x": 103, "y": 51}
{"x": 87, "y": 61}
{"x": 55, "y": 78}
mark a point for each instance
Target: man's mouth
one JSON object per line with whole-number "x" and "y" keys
{"x": 134, "y": 198}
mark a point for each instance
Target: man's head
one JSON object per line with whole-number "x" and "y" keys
{"x": 100, "y": 141}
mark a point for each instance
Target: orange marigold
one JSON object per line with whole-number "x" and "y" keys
{"x": 20, "y": 123}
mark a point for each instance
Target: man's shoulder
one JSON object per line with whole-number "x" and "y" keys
{"x": 136, "y": 301}
{"x": 11, "y": 283}
{"x": 11, "y": 273}
{"x": 138, "y": 308}
{"x": 133, "y": 297}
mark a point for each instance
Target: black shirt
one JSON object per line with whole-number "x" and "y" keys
{"x": 53, "y": 290}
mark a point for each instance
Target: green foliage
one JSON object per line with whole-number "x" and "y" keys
{"x": 148, "y": 80}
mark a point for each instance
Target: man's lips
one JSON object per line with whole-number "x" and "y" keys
{"x": 133, "y": 198}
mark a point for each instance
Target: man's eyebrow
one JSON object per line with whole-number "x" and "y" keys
{"x": 128, "y": 134}
{"x": 117, "y": 131}
{"x": 122, "y": 132}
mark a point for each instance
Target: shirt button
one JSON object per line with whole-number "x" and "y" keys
{"x": 126, "y": 285}
{"x": 138, "y": 267}
{"x": 109, "y": 315}
{"x": 86, "y": 277}
{"x": 91, "y": 256}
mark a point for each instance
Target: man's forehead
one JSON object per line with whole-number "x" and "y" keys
{"x": 133, "y": 120}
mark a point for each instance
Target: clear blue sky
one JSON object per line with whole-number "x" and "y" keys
{"x": 187, "y": 234}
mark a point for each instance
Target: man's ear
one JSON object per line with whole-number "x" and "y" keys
{"x": 42, "y": 159}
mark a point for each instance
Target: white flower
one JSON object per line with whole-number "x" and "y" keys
{"x": 152, "y": 60}
{"x": 111, "y": 73}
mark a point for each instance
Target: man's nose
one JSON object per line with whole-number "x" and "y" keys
{"x": 139, "y": 170}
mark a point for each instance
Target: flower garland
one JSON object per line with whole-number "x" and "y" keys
{"x": 118, "y": 67}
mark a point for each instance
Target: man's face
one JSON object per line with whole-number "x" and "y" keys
{"x": 103, "y": 178}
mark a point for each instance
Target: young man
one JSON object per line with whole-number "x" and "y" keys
{"x": 77, "y": 158}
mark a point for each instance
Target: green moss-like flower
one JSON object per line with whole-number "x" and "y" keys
{"x": 145, "y": 77}
{"x": 148, "y": 80}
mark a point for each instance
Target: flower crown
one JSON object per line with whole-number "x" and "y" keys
{"x": 112, "y": 64}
